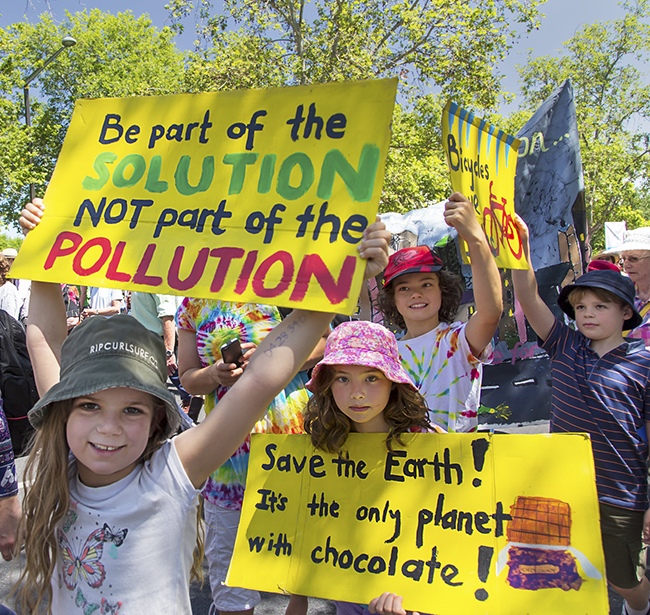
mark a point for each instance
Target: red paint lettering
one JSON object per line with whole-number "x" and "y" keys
{"x": 336, "y": 290}
{"x": 141, "y": 276}
{"x": 112, "y": 273}
{"x": 104, "y": 244}
{"x": 58, "y": 248}
{"x": 226, "y": 256}
{"x": 245, "y": 273}
{"x": 173, "y": 277}
{"x": 259, "y": 279}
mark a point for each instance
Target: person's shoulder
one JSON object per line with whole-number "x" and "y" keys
{"x": 637, "y": 353}
{"x": 9, "y": 288}
{"x": 562, "y": 332}
{"x": 163, "y": 459}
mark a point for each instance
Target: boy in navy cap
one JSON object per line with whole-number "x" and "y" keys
{"x": 600, "y": 386}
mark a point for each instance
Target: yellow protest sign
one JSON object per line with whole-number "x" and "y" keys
{"x": 455, "y": 523}
{"x": 258, "y": 195}
{"x": 483, "y": 161}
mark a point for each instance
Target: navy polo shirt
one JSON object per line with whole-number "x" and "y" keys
{"x": 607, "y": 397}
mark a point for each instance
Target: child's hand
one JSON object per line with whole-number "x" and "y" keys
{"x": 10, "y": 512}
{"x": 460, "y": 213}
{"x": 30, "y": 216}
{"x": 374, "y": 248}
{"x": 524, "y": 235}
{"x": 388, "y": 604}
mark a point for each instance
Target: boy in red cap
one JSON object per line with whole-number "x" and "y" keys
{"x": 601, "y": 386}
{"x": 444, "y": 357}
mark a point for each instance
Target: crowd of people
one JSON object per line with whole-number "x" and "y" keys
{"x": 115, "y": 464}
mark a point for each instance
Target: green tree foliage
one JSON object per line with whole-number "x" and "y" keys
{"x": 456, "y": 46}
{"x": 416, "y": 170}
{"x": 8, "y": 240}
{"x": 453, "y": 47}
{"x": 115, "y": 55}
{"x": 604, "y": 62}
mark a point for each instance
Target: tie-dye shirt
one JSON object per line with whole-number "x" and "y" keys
{"x": 214, "y": 323}
{"x": 443, "y": 367}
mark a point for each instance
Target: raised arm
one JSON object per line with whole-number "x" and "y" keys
{"x": 538, "y": 314}
{"x": 46, "y": 326}
{"x": 278, "y": 358}
{"x": 488, "y": 298}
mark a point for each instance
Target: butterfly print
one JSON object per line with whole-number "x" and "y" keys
{"x": 80, "y": 601}
{"x": 85, "y": 564}
{"x": 68, "y": 520}
{"x": 108, "y": 608}
{"x": 115, "y": 536}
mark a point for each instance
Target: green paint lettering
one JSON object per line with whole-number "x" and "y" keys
{"x": 284, "y": 187}
{"x": 238, "y": 175}
{"x": 154, "y": 183}
{"x": 359, "y": 182}
{"x": 103, "y": 174}
{"x": 181, "y": 177}
{"x": 138, "y": 165}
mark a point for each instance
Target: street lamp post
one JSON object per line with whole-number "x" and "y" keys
{"x": 66, "y": 42}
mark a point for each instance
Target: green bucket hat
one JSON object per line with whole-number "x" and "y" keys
{"x": 106, "y": 353}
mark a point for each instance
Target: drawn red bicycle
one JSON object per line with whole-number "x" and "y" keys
{"x": 500, "y": 227}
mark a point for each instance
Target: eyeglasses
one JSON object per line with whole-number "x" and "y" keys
{"x": 631, "y": 259}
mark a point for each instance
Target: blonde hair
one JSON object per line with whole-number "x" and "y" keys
{"x": 579, "y": 292}
{"x": 47, "y": 498}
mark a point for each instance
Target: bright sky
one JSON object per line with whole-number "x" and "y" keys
{"x": 563, "y": 19}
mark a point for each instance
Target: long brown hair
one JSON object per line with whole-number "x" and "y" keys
{"x": 48, "y": 472}
{"x": 329, "y": 427}
{"x": 47, "y": 498}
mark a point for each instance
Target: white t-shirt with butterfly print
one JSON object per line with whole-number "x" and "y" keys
{"x": 446, "y": 372}
{"x": 127, "y": 548}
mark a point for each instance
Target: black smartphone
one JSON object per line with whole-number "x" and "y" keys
{"x": 231, "y": 352}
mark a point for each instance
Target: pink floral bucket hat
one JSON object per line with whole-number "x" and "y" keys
{"x": 364, "y": 343}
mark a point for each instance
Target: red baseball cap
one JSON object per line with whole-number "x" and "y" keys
{"x": 417, "y": 259}
{"x": 600, "y": 265}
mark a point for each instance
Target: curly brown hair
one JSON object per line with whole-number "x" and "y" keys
{"x": 5, "y": 265}
{"x": 451, "y": 293}
{"x": 329, "y": 427}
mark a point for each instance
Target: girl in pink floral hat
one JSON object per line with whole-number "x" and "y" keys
{"x": 361, "y": 386}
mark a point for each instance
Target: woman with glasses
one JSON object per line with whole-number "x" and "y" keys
{"x": 635, "y": 262}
